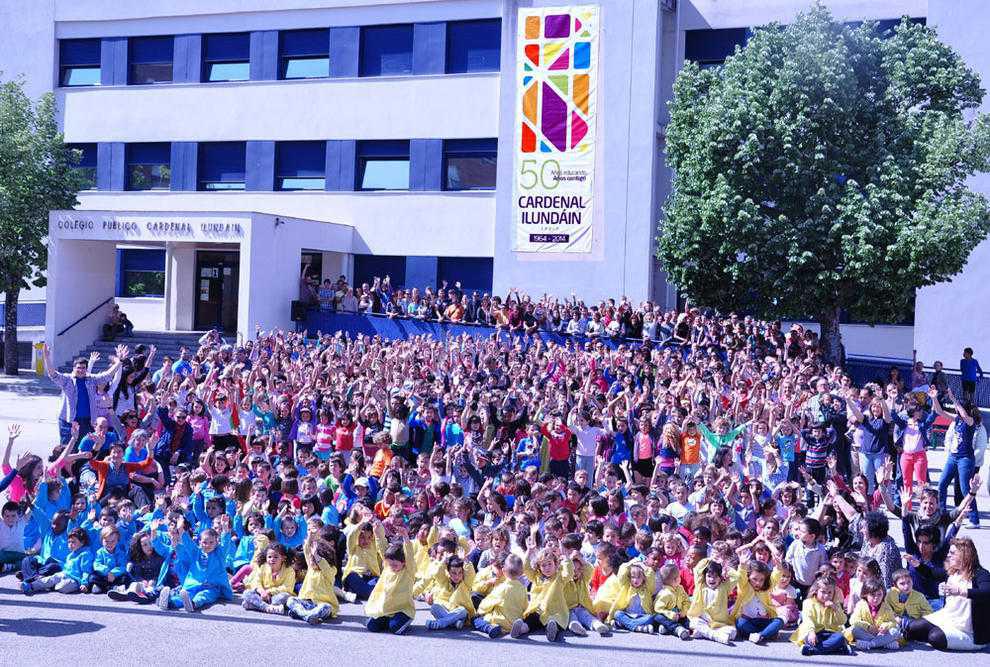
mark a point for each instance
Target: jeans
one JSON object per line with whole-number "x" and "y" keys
{"x": 828, "y": 642}
{"x": 65, "y": 429}
{"x": 671, "y": 626}
{"x": 360, "y": 584}
{"x": 445, "y": 618}
{"x": 963, "y": 467}
{"x": 31, "y": 567}
{"x": 59, "y": 582}
{"x": 766, "y": 627}
{"x": 632, "y": 621}
{"x": 869, "y": 464}
{"x": 587, "y": 463}
{"x": 387, "y": 623}
{"x": 689, "y": 470}
{"x": 11, "y": 557}
{"x": 481, "y": 625}
{"x": 584, "y": 617}
{"x": 304, "y": 610}
{"x": 202, "y": 597}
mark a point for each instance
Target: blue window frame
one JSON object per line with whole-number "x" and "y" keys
{"x": 150, "y": 60}
{"x": 383, "y": 165}
{"x": 304, "y": 54}
{"x": 221, "y": 165}
{"x": 149, "y": 166}
{"x": 470, "y": 164}
{"x": 86, "y": 167}
{"x": 300, "y": 165}
{"x": 386, "y": 50}
{"x": 140, "y": 273}
{"x": 710, "y": 48}
{"x": 227, "y": 57}
{"x": 79, "y": 62}
{"x": 474, "y": 46}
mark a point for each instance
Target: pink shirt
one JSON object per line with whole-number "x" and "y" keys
{"x": 16, "y": 491}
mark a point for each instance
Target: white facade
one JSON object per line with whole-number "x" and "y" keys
{"x": 641, "y": 48}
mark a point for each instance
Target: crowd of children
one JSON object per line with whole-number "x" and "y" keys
{"x": 511, "y": 486}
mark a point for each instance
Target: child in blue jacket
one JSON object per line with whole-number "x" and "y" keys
{"x": 110, "y": 564}
{"x": 53, "y": 552}
{"x": 206, "y": 579}
{"x": 76, "y": 573}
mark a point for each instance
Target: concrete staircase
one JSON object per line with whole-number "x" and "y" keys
{"x": 167, "y": 342}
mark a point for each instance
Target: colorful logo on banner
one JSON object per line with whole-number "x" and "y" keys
{"x": 557, "y": 65}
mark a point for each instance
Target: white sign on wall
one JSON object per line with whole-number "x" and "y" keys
{"x": 554, "y": 150}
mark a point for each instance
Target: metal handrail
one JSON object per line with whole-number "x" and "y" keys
{"x": 93, "y": 310}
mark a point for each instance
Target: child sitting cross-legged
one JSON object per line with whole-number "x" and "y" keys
{"x": 753, "y": 610}
{"x": 506, "y": 602}
{"x": 451, "y": 593}
{"x": 709, "y": 612}
{"x": 633, "y": 606}
{"x": 390, "y": 607}
{"x": 873, "y": 624}
{"x": 822, "y": 621}
{"x": 671, "y": 604}
{"x": 271, "y": 583}
{"x": 317, "y": 599}
{"x": 77, "y": 570}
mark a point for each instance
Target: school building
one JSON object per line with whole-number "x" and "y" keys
{"x": 496, "y": 143}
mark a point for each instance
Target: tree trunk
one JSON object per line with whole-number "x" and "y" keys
{"x": 832, "y": 349}
{"x": 10, "y": 331}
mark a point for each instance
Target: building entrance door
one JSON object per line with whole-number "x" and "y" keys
{"x": 216, "y": 290}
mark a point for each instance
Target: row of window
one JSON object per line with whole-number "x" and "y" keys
{"x": 468, "y": 164}
{"x": 472, "y": 46}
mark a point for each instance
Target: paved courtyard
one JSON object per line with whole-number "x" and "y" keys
{"x": 57, "y": 629}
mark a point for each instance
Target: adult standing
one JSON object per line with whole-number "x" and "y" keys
{"x": 872, "y": 434}
{"x": 79, "y": 389}
{"x": 963, "y": 623}
{"x": 961, "y": 460}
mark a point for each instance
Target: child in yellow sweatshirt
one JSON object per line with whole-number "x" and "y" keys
{"x": 708, "y": 615}
{"x": 506, "y": 603}
{"x": 577, "y": 594}
{"x": 671, "y": 604}
{"x": 873, "y": 624}
{"x": 452, "y": 605}
{"x": 632, "y": 608}
{"x": 390, "y": 607}
{"x": 904, "y": 600}
{"x": 822, "y": 621}
{"x": 317, "y": 600}
{"x": 753, "y": 611}
{"x": 547, "y": 608}
{"x": 365, "y": 547}
{"x": 269, "y": 585}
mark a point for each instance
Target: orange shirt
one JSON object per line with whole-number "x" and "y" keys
{"x": 690, "y": 448}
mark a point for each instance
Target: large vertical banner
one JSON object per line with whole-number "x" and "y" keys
{"x": 557, "y": 84}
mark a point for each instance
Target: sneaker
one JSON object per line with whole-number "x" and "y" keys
{"x": 576, "y": 628}
{"x": 601, "y": 629}
{"x": 402, "y": 629}
{"x": 319, "y": 615}
{"x": 722, "y": 638}
{"x": 96, "y": 590}
{"x": 849, "y": 650}
{"x": 495, "y": 632}
{"x": 140, "y": 598}
{"x": 519, "y": 628}
{"x": 553, "y": 630}
{"x": 350, "y": 597}
{"x": 645, "y": 629}
{"x": 119, "y": 595}
{"x": 808, "y": 650}
{"x": 277, "y": 609}
{"x": 973, "y": 525}
{"x": 683, "y": 633}
{"x": 26, "y": 589}
{"x": 756, "y": 638}
{"x": 662, "y": 630}
{"x": 432, "y": 625}
{"x": 163, "y": 598}
{"x": 187, "y": 602}
{"x": 459, "y": 625}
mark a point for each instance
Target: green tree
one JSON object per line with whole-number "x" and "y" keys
{"x": 823, "y": 168}
{"x": 36, "y": 176}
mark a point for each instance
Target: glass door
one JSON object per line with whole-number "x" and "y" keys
{"x": 216, "y": 291}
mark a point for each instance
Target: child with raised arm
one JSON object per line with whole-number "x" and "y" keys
{"x": 822, "y": 621}
{"x": 632, "y": 609}
{"x": 577, "y": 576}
{"x": 317, "y": 600}
{"x": 451, "y": 591}
{"x": 365, "y": 549}
{"x": 547, "y": 609}
{"x": 753, "y": 611}
{"x": 271, "y": 583}
{"x": 390, "y": 607}
{"x": 205, "y": 578}
{"x": 709, "y": 612}
{"x": 507, "y": 600}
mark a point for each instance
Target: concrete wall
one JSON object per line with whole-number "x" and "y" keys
{"x": 81, "y": 275}
{"x": 699, "y": 14}
{"x": 625, "y": 168}
{"x": 145, "y": 313}
{"x": 884, "y": 340}
{"x": 385, "y": 223}
{"x": 954, "y": 315}
{"x": 441, "y": 107}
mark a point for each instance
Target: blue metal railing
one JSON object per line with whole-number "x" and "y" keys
{"x": 91, "y": 311}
